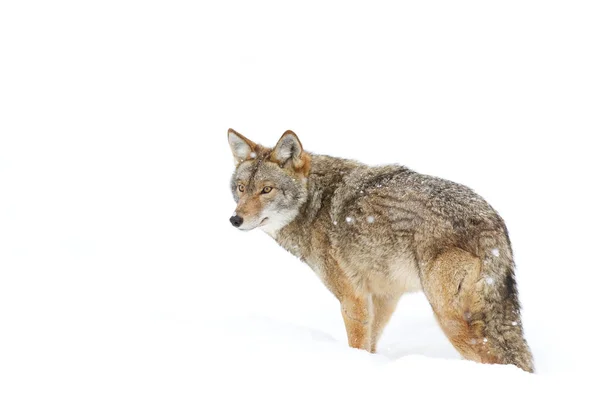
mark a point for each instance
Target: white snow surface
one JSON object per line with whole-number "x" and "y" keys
{"x": 122, "y": 283}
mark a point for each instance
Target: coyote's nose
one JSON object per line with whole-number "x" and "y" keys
{"x": 236, "y": 221}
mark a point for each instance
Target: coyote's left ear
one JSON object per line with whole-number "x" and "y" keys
{"x": 241, "y": 147}
{"x": 288, "y": 151}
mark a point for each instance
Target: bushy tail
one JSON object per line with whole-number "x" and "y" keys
{"x": 497, "y": 296}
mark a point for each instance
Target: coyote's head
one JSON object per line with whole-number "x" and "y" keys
{"x": 268, "y": 185}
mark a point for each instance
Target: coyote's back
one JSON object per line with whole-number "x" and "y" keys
{"x": 374, "y": 233}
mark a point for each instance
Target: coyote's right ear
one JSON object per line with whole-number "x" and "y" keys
{"x": 289, "y": 150}
{"x": 241, "y": 147}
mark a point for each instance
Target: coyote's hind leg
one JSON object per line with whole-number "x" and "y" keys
{"x": 477, "y": 319}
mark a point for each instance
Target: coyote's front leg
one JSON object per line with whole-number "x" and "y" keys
{"x": 356, "y": 311}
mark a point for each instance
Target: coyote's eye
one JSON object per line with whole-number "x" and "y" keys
{"x": 266, "y": 190}
{"x": 241, "y": 188}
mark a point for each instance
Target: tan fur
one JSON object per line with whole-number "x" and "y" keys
{"x": 374, "y": 233}
{"x": 450, "y": 284}
{"x": 383, "y": 308}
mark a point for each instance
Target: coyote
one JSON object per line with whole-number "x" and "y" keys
{"x": 373, "y": 233}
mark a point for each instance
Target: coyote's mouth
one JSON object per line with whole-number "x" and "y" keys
{"x": 263, "y": 221}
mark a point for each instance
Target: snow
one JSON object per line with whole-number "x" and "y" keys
{"x": 348, "y": 220}
{"x": 122, "y": 282}
{"x": 496, "y": 252}
{"x": 370, "y": 219}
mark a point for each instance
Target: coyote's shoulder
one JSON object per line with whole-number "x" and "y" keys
{"x": 373, "y": 233}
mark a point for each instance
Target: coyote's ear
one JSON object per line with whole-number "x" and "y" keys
{"x": 241, "y": 147}
{"x": 289, "y": 151}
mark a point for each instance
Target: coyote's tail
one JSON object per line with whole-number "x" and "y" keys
{"x": 500, "y": 311}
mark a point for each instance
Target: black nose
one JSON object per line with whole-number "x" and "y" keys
{"x": 236, "y": 221}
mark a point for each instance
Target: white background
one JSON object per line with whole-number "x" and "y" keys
{"x": 122, "y": 282}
